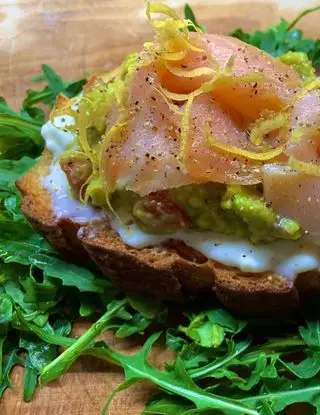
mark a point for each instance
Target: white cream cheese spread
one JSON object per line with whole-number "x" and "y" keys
{"x": 286, "y": 258}
{"x": 64, "y": 205}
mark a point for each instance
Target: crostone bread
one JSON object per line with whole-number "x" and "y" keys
{"x": 172, "y": 271}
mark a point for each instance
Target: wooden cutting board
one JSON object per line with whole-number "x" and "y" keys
{"x": 95, "y": 35}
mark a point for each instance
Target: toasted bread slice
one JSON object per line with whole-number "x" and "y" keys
{"x": 172, "y": 271}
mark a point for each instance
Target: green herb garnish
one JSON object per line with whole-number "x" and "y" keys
{"x": 55, "y": 86}
{"x": 189, "y": 15}
{"x": 20, "y": 131}
{"x": 282, "y": 38}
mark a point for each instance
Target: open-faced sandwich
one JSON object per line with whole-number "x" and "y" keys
{"x": 191, "y": 168}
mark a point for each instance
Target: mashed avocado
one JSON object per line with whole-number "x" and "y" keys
{"x": 203, "y": 204}
{"x": 262, "y": 223}
{"x": 236, "y": 210}
{"x": 301, "y": 63}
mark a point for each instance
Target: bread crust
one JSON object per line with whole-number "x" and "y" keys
{"x": 172, "y": 271}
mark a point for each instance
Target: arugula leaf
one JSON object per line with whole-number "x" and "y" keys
{"x": 137, "y": 324}
{"x": 10, "y": 360}
{"x": 18, "y": 240}
{"x": 30, "y": 379}
{"x": 204, "y": 333}
{"x": 46, "y": 333}
{"x": 19, "y": 133}
{"x": 55, "y": 82}
{"x": 70, "y": 274}
{"x": 5, "y": 319}
{"x": 307, "y": 368}
{"x": 212, "y": 369}
{"x": 189, "y": 15}
{"x": 38, "y": 291}
{"x": 225, "y": 319}
{"x": 301, "y": 15}
{"x": 90, "y": 304}
{"x": 208, "y": 329}
{"x": 274, "y": 395}
{"x": 38, "y": 355}
{"x": 61, "y": 364}
{"x": 194, "y": 356}
{"x": 55, "y": 86}
{"x": 311, "y": 333}
{"x": 174, "y": 340}
{"x": 137, "y": 368}
{"x": 148, "y": 307}
{"x": 282, "y": 38}
{"x": 286, "y": 392}
{"x": 166, "y": 405}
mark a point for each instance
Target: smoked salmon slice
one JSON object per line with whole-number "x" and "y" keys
{"x": 147, "y": 158}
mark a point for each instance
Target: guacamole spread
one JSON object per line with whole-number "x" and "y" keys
{"x": 236, "y": 210}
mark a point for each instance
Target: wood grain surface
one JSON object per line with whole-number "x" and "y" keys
{"x": 95, "y": 35}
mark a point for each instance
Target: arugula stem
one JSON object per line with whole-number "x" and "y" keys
{"x": 100, "y": 353}
{"x": 250, "y": 358}
{"x": 62, "y": 363}
{"x": 41, "y": 96}
{"x": 208, "y": 400}
{"x": 301, "y": 15}
{"x": 268, "y": 397}
{"x": 14, "y": 121}
{"x": 277, "y": 345}
{"x": 136, "y": 371}
{"x": 280, "y": 346}
{"x": 209, "y": 368}
{"x": 43, "y": 335}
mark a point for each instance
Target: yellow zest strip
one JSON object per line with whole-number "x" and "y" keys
{"x": 72, "y": 154}
{"x": 176, "y": 24}
{"x": 174, "y": 56}
{"x": 229, "y": 148}
{"x": 263, "y": 127}
{"x": 302, "y": 166}
{"x": 214, "y": 62}
{"x": 185, "y": 128}
{"x": 148, "y": 54}
{"x": 84, "y": 195}
{"x": 172, "y": 106}
{"x": 179, "y": 97}
{"x": 312, "y": 85}
{"x": 193, "y": 73}
{"x": 108, "y": 76}
{"x": 308, "y": 88}
{"x": 83, "y": 138}
{"x": 121, "y": 93}
{"x": 161, "y": 9}
{"x": 229, "y": 65}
